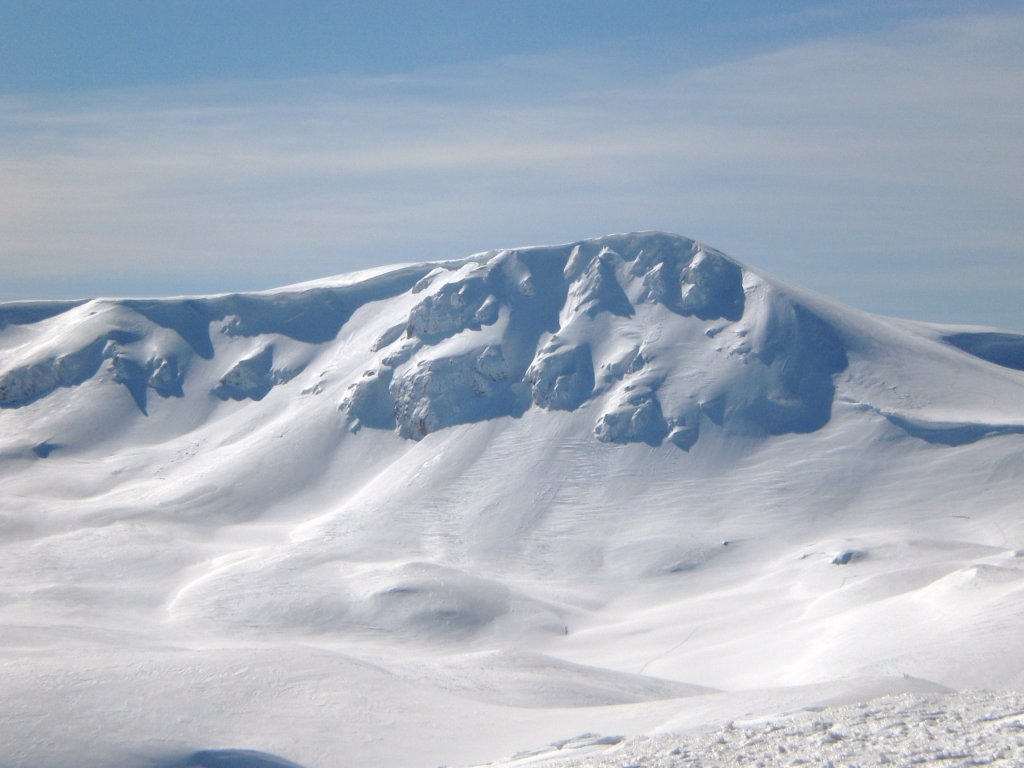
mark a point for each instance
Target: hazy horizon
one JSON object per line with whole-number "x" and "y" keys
{"x": 865, "y": 151}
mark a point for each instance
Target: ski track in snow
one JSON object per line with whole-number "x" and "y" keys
{"x": 441, "y": 513}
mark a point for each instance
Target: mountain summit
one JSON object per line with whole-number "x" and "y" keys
{"x": 492, "y": 497}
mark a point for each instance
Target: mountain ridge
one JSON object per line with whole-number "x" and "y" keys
{"x": 580, "y": 282}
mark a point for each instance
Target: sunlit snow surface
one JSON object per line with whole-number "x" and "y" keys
{"x": 450, "y": 513}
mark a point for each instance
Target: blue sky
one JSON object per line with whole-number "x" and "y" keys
{"x": 867, "y": 150}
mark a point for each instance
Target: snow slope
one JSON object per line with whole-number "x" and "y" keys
{"x": 447, "y": 512}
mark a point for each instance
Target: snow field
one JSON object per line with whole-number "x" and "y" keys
{"x": 442, "y": 513}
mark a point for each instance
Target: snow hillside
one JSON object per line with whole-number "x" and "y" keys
{"x": 445, "y": 513}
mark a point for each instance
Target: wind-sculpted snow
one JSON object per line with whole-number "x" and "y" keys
{"x": 157, "y": 373}
{"x": 123, "y": 333}
{"x": 800, "y": 354}
{"x": 313, "y": 315}
{"x": 952, "y": 434}
{"x": 1006, "y": 349}
{"x": 28, "y": 312}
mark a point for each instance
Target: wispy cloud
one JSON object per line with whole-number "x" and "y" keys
{"x": 906, "y": 143}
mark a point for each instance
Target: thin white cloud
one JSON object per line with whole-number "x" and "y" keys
{"x": 906, "y": 142}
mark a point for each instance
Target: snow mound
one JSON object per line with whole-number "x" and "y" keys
{"x": 413, "y": 600}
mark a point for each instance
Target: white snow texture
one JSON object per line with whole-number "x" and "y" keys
{"x": 449, "y": 513}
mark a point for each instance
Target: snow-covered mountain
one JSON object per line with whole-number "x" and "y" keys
{"x": 444, "y": 512}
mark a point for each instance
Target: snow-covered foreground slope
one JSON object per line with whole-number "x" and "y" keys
{"x": 446, "y": 513}
{"x": 949, "y": 730}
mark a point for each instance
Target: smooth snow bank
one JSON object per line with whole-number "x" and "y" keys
{"x": 948, "y": 730}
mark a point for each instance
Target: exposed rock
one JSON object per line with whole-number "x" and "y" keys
{"x": 452, "y": 309}
{"x": 368, "y": 401}
{"x": 598, "y": 288}
{"x": 638, "y": 419}
{"x": 252, "y": 378}
{"x": 712, "y": 287}
{"x": 562, "y": 378}
{"x": 24, "y": 385}
{"x": 445, "y": 391}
